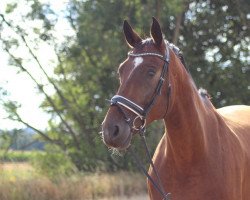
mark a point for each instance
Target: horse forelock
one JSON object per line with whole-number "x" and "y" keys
{"x": 144, "y": 45}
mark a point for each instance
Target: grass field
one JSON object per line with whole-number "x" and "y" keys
{"x": 19, "y": 181}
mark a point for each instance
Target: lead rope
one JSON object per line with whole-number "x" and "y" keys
{"x": 159, "y": 186}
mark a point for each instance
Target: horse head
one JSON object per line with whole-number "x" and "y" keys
{"x": 142, "y": 96}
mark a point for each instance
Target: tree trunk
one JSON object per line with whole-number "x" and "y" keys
{"x": 178, "y": 22}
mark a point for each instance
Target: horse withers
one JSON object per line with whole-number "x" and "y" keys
{"x": 205, "y": 152}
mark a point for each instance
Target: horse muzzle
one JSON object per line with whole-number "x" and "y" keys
{"x": 116, "y": 133}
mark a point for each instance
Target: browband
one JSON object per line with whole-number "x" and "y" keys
{"x": 167, "y": 58}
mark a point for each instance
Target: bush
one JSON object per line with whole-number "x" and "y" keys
{"x": 53, "y": 163}
{"x": 18, "y": 156}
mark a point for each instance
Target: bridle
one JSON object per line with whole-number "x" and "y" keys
{"x": 141, "y": 113}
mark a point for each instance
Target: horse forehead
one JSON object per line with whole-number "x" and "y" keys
{"x": 144, "y": 47}
{"x": 137, "y": 61}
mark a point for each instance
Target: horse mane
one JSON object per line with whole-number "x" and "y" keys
{"x": 175, "y": 49}
{"x": 203, "y": 92}
{"x": 179, "y": 54}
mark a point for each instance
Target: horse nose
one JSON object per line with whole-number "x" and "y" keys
{"x": 111, "y": 135}
{"x": 115, "y": 132}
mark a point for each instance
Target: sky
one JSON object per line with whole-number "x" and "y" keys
{"x": 19, "y": 86}
{"x": 22, "y": 90}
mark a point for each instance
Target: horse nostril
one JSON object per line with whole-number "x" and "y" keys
{"x": 116, "y": 131}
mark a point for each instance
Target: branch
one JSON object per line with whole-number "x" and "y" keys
{"x": 18, "y": 31}
{"x": 35, "y": 129}
{"x": 177, "y": 28}
{"x": 19, "y": 64}
{"x": 158, "y": 9}
{"x": 23, "y": 147}
{"x": 63, "y": 99}
{"x": 60, "y": 64}
{"x": 74, "y": 113}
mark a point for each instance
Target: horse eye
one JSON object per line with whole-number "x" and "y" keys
{"x": 151, "y": 72}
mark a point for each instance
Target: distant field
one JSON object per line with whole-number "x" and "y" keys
{"x": 15, "y": 171}
{"x": 12, "y": 166}
{"x": 19, "y": 181}
{"x": 18, "y": 156}
{"x": 136, "y": 197}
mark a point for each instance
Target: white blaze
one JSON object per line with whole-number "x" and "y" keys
{"x": 137, "y": 61}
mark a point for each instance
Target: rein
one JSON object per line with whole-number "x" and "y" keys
{"x": 141, "y": 113}
{"x": 158, "y": 187}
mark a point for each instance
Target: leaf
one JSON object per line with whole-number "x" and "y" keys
{"x": 10, "y": 7}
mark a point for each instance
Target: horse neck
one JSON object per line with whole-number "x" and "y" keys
{"x": 188, "y": 119}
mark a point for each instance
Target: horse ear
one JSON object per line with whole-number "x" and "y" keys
{"x": 156, "y": 32}
{"x": 131, "y": 36}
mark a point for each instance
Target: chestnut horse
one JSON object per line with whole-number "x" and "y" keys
{"x": 205, "y": 152}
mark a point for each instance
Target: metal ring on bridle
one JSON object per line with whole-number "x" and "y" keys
{"x": 142, "y": 126}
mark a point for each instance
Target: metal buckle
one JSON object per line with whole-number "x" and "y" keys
{"x": 142, "y": 126}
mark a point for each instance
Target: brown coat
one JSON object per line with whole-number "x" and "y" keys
{"x": 204, "y": 153}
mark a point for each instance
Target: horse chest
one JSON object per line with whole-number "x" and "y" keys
{"x": 202, "y": 180}
{"x": 194, "y": 184}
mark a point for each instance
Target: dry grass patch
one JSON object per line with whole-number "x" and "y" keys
{"x": 21, "y": 182}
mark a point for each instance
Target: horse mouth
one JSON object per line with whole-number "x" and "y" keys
{"x": 125, "y": 145}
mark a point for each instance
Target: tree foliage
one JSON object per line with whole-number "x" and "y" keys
{"x": 212, "y": 35}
